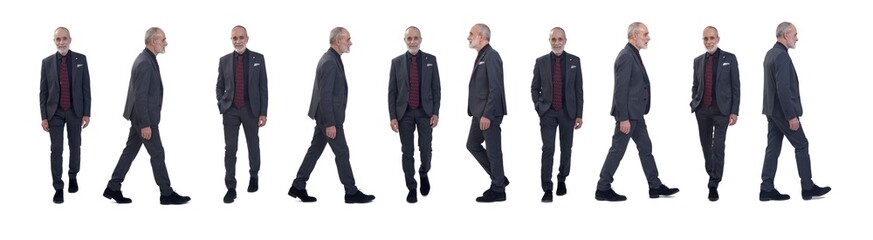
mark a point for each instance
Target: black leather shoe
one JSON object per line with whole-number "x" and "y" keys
{"x": 360, "y": 197}
{"x": 713, "y": 194}
{"x": 412, "y": 197}
{"x": 116, "y": 195}
{"x": 815, "y": 191}
{"x": 547, "y": 196}
{"x": 425, "y": 186}
{"x": 562, "y": 189}
{"x": 772, "y": 195}
{"x": 663, "y": 190}
{"x": 59, "y": 196}
{"x": 174, "y": 198}
{"x": 230, "y": 196}
{"x": 298, "y": 193}
{"x": 492, "y": 196}
{"x": 608, "y": 195}
{"x": 253, "y": 185}
{"x": 74, "y": 185}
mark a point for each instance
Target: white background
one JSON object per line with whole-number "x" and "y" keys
{"x": 293, "y": 35}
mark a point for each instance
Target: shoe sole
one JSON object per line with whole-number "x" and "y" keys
{"x": 771, "y": 199}
{"x": 609, "y": 200}
{"x": 107, "y": 196}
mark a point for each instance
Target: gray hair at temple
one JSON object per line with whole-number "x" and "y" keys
{"x": 151, "y": 34}
{"x": 484, "y": 30}
{"x": 782, "y": 28}
{"x": 632, "y": 29}
{"x": 335, "y": 33}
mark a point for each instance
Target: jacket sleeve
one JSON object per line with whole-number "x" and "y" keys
{"x": 622, "y": 87}
{"x": 735, "y": 87}
{"x": 263, "y": 90}
{"x": 436, "y": 87}
{"x": 43, "y": 90}
{"x": 326, "y": 108}
{"x": 392, "y": 91}
{"x": 579, "y": 90}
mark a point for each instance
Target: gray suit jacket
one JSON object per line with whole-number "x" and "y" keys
{"x": 781, "y": 88}
{"x": 80, "y": 85}
{"x": 486, "y": 96}
{"x": 726, "y": 83}
{"x": 541, "y": 86}
{"x": 398, "y": 86}
{"x": 145, "y": 94}
{"x": 330, "y": 92}
{"x": 256, "y": 82}
{"x": 631, "y": 97}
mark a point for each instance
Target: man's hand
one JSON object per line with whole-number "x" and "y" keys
{"x": 330, "y": 132}
{"x": 394, "y": 125}
{"x": 146, "y": 133}
{"x": 624, "y": 126}
{"x": 484, "y": 123}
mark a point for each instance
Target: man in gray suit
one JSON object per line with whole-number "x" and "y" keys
{"x": 64, "y": 99}
{"x": 330, "y": 96}
{"x": 487, "y": 105}
{"x": 556, "y": 90}
{"x": 414, "y": 102}
{"x": 783, "y": 110}
{"x": 242, "y": 100}
{"x": 630, "y": 101}
{"x": 145, "y": 98}
{"x": 715, "y": 100}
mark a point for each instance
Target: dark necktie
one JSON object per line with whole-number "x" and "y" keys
{"x": 64, "y": 80}
{"x": 239, "y": 86}
{"x": 414, "y": 88}
{"x": 707, "y": 82}
{"x": 557, "y": 88}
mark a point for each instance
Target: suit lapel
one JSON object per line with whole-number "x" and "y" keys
{"x": 721, "y": 62}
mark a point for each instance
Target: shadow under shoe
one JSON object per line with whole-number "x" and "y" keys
{"x": 772, "y": 195}
{"x": 116, "y": 195}
{"x": 360, "y": 197}
{"x": 301, "y": 194}
{"x": 815, "y": 191}
{"x": 663, "y": 190}
{"x": 608, "y": 195}
{"x": 174, "y": 199}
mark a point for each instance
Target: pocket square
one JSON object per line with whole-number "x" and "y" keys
{"x": 430, "y": 64}
{"x": 482, "y": 62}
{"x": 573, "y": 66}
{"x": 79, "y": 65}
{"x": 726, "y": 64}
{"x": 257, "y": 64}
